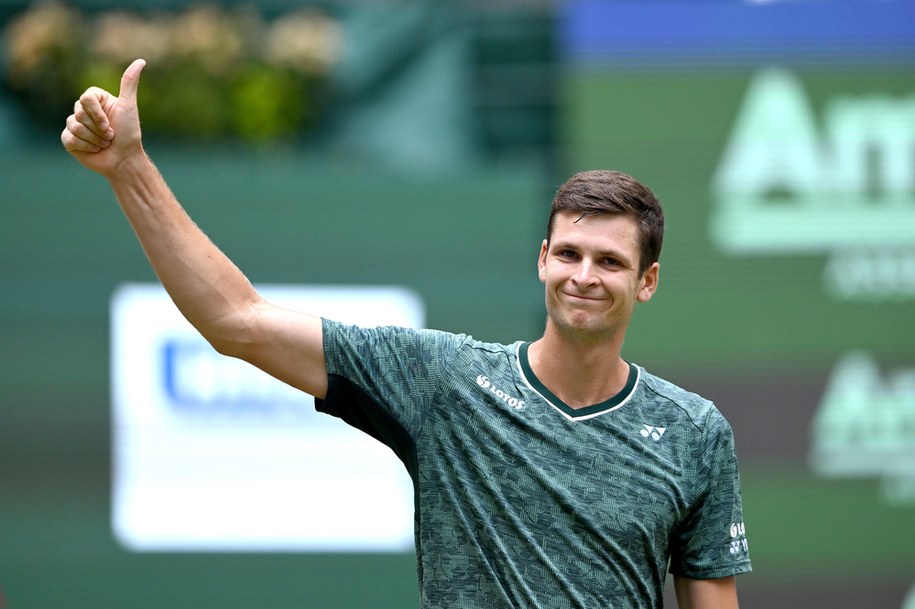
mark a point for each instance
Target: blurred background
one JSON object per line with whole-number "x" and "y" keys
{"x": 418, "y": 144}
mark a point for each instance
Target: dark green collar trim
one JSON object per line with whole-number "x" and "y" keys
{"x": 576, "y": 413}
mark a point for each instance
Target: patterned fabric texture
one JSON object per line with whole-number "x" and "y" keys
{"x": 522, "y": 501}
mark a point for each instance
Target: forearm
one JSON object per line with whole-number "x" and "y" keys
{"x": 706, "y": 593}
{"x": 208, "y": 289}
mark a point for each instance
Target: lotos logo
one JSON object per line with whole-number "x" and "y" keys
{"x": 484, "y": 382}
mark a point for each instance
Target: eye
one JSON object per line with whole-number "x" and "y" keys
{"x": 570, "y": 254}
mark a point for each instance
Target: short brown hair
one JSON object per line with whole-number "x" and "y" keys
{"x": 614, "y": 192}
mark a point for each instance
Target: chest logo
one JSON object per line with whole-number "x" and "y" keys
{"x": 484, "y": 382}
{"x": 650, "y": 431}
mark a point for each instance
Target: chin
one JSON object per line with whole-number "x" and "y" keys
{"x": 572, "y": 326}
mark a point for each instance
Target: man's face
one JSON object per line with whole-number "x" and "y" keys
{"x": 591, "y": 272}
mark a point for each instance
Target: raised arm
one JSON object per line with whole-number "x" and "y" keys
{"x": 103, "y": 134}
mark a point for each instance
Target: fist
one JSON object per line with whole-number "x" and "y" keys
{"x": 104, "y": 130}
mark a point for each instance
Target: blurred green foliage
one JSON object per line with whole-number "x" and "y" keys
{"x": 211, "y": 72}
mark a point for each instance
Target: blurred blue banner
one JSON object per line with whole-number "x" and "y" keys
{"x": 733, "y": 31}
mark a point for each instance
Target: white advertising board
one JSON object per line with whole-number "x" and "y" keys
{"x": 211, "y": 454}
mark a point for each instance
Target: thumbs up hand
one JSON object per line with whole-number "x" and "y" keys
{"x": 104, "y": 130}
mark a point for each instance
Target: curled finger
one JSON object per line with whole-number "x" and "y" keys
{"x": 92, "y": 104}
{"x": 76, "y": 138}
{"x": 90, "y": 120}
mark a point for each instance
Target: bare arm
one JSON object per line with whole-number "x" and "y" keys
{"x": 103, "y": 134}
{"x": 706, "y": 593}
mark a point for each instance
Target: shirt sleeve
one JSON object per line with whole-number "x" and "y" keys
{"x": 382, "y": 380}
{"x": 711, "y": 542}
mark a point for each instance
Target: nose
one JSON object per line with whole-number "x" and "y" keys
{"x": 584, "y": 275}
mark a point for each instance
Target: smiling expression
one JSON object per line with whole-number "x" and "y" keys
{"x": 590, "y": 268}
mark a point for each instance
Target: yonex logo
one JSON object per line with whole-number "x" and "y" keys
{"x": 484, "y": 382}
{"x": 650, "y": 431}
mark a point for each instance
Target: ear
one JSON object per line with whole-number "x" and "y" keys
{"x": 541, "y": 262}
{"x": 649, "y": 283}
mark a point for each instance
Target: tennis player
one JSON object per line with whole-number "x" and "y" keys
{"x": 548, "y": 474}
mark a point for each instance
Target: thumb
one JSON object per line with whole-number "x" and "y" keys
{"x": 130, "y": 81}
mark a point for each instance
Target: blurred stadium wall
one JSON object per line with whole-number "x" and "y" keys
{"x": 780, "y": 137}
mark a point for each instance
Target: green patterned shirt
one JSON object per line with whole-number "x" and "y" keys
{"x": 523, "y": 501}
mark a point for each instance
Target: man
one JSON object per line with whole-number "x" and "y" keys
{"x": 548, "y": 474}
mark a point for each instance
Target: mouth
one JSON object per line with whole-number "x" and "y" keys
{"x": 580, "y": 297}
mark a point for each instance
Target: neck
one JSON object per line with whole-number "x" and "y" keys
{"x": 581, "y": 373}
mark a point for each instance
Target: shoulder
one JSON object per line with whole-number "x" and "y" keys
{"x": 400, "y": 338}
{"x": 699, "y": 410}
{"x": 335, "y": 330}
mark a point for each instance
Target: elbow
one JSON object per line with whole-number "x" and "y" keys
{"x": 233, "y": 336}
{"x": 231, "y": 344}
{"x": 224, "y": 346}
